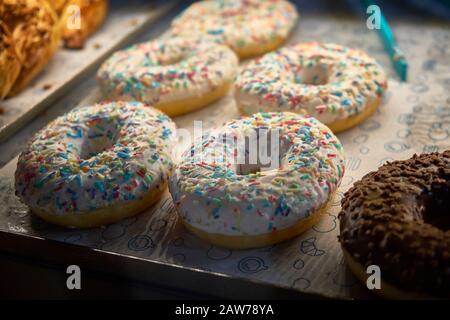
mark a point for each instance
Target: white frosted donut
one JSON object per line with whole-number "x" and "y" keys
{"x": 232, "y": 207}
{"x": 337, "y": 85}
{"x": 97, "y": 164}
{"x": 249, "y": 27}
{"x": 176, "y": 75}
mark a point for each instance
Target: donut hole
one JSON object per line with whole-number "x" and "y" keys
{"x": 170, "y": 60}
{"x": 435, "y": 206}
{"x": 263, "y": 151}
{"x": 100, "y": 137}
{"x": 150, "y": 59}
{"x": 316, "y": 75}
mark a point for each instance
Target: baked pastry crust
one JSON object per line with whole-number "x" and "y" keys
{"x": 58, "y": 5}
{"x": 35, "y": 34}
{"x": 30, "y": 33}
{"x": 93, "y": 13}
{"x": 9, "y": 61}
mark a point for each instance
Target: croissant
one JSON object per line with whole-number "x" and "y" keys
{"x": 35, "y": 33}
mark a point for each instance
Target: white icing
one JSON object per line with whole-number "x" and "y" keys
{"x": 167, "y": 70}
{"x": 237, "y": 23}
{"x": 326, "y": 81}
{"x": 96, "y": 156}
{"x": 212, "y": 196}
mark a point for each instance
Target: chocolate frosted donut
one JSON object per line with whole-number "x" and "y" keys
{"x": 399, "y": 219}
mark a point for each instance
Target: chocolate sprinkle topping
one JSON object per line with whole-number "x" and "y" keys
{"x": 399, "y": 219}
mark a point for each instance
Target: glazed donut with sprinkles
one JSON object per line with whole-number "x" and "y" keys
{"x": 97, "y": 164}
{"x": 176, "y": 75}
{"x": 249, "y": 27}
{"x": 337, "y": 85}
{"x": 244, "y": 205}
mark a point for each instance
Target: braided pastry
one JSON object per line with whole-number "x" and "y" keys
{"x": 34, "y": 33}
{"x": 30, "y": 32}
{"x": 9, "y": 61}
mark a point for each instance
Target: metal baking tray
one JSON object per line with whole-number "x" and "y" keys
{"x": 153, "y": 247}
{"x": 123, "y": 22}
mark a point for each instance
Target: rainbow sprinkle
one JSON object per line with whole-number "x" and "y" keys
{"x": 326, "y": 81}
{"x": 211, "y": 194}
{"x": 167, "y": 70}
{"x": 238, "y": 24}
{"x": 94, "y": 157}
